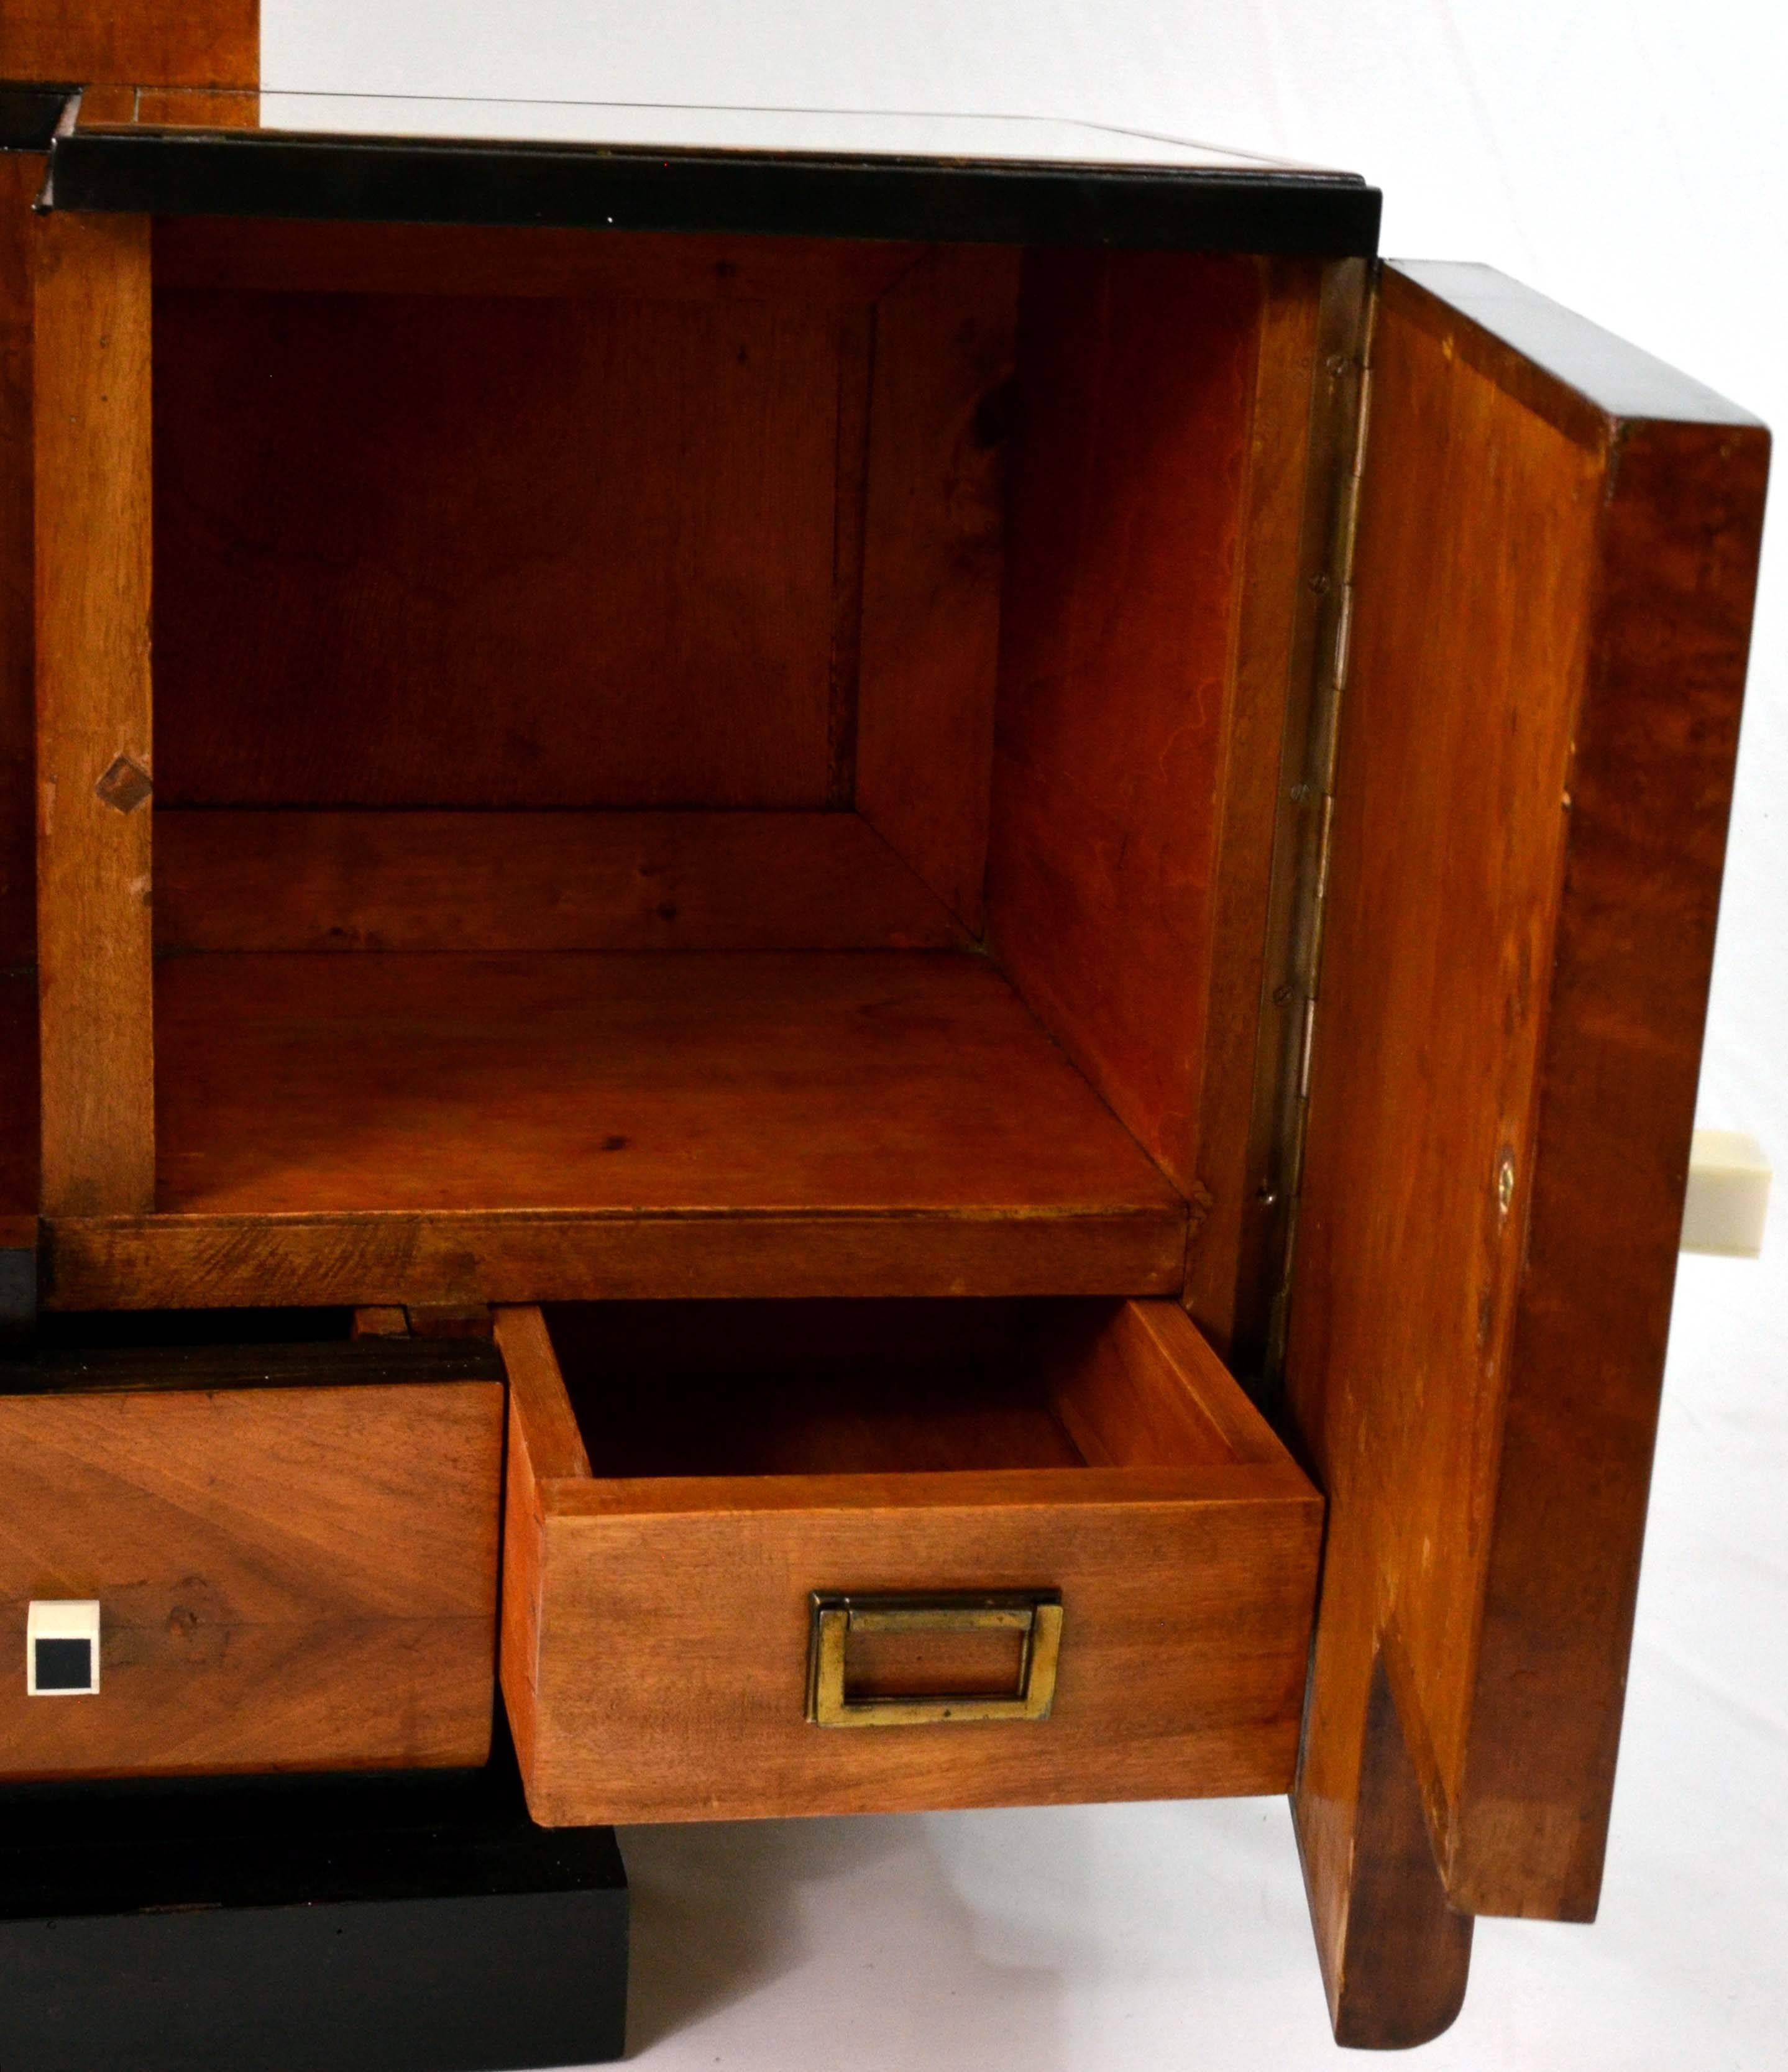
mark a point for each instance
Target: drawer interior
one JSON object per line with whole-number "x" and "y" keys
{"x": 821, "y": 1388}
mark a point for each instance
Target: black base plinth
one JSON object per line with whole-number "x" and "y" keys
{"x": 419, "y": 1923}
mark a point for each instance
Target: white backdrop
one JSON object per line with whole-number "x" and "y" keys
{"x": 1626, "y": 157}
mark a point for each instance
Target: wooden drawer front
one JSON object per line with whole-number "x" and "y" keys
{"x": 658, "y": 1629}
{"x": 293, "y": 1578}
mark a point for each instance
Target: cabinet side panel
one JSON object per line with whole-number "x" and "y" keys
{"x": 92, "y": 441}
{"x": 1293, "y": 462}
{"x": 1136, "y": 383}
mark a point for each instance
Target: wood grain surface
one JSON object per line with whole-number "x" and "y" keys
{"x": 386, "y": 1320}
{"x": 94, "y": 752}
{"x": 1286, "y": 525}
{"x": 643, "y": 1082}
{"x": 1123, "y": 567}
{"x": 21, "y": 176}
{"x": 289, "y": 1578}
{"x": 374, "y": 1256}
{"x": 1137, "y": 1383}
{"x": 850, "y": 496}
{"x": 376, "y": 1130}
{"x": 170, "y": 43}
{"x": 1186, "y": 1592}
{"x": 543, "y": 1444}
{"x": 934, "y": 526}
{"x": 1553, "y": 603}
{"x": 540, "y": 1416}
{"x": 18, "y": 1139}
{"x": 1398, "y": 1977}
{"x": 265, "y": 257}
{"x": 113, "y": 107}
{"x": 262, "y": 880}
{"x": 190, "y": 107}
{"x": 427, "y": 550}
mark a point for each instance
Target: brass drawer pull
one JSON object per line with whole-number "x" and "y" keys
{"x": 1036, "y": 1614}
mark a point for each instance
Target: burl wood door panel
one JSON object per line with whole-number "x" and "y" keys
{"x": 1557, "y": 545}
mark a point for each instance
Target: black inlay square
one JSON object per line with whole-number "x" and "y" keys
{"x": 64, "y": 1665}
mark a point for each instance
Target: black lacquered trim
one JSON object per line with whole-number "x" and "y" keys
{"x": 17, "y": 1293}
{"x": 413, "y": 1922}
{"x": 118, "y": 1369}
{"x": 168, "y": 172}
{"x": 119, "y": 1846}
{"x": 29, "y": 113}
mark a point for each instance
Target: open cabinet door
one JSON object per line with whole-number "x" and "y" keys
{"x": 1553, "y": 572}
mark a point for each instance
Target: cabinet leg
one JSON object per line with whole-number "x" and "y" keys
{"x": 1395, "y": 1955}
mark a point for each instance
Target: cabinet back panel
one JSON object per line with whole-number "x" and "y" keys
{"x": 272, "y": 880}
{"x": 933, "y": 538}
{"x": 245, "y": 254}
{"x": 493, "y": 551}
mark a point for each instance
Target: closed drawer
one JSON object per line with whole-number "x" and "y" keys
{"x": 776, "y": 1558}
{"x": 292, "y": 1548}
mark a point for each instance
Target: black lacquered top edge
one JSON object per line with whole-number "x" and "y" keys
{"x": 111, "y": 1370}
{"x": 29, "y": 113}
{"x": 342, "y": 178}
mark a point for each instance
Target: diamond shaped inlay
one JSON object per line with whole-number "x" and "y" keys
{"x": 125, "y": 784}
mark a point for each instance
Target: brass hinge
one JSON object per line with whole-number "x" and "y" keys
{"x": 1353, "y": 376}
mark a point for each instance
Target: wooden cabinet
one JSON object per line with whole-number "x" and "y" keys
{"x": 1040, "y": 848}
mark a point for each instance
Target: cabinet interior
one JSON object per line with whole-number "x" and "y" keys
{"x": 698, "y": 724}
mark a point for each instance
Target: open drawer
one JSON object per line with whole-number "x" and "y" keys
{"x": 225, "y": 1548}
{"x": 1032, "y": 1552}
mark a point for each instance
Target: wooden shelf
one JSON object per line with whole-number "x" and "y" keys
{"x": 420, "y": 1128}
